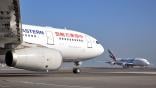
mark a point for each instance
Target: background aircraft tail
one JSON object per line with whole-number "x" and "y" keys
{"x": 111, "y": 55}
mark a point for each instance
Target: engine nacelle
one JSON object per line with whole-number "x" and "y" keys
{"x": 113, "y": 63}
{"x": 36, "y": 59}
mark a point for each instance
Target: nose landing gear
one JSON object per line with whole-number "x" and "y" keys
{"x": 76, "y": 69}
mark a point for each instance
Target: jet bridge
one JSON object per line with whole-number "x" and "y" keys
{"x": 10, "y": 24}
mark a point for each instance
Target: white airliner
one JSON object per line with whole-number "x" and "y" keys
{"x": 129, "y": 62}
{"x": 41, "y": 48}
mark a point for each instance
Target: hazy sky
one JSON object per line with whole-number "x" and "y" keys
{"x": 127, "y": 27}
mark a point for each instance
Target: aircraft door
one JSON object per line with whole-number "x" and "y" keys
{"x": 50, "y": 38}
{"x": 89, "y": 43}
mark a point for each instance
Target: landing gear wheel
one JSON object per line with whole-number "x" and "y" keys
{"x": 76, "y": 70}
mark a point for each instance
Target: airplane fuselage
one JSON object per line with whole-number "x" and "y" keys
{"x": 74, "y": 46}
{"x": 133, "y": 62}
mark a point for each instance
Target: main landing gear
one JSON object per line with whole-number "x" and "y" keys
{"x": 76, "y": 69}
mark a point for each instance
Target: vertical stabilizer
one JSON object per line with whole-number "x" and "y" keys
{"x": 111, "y": 55}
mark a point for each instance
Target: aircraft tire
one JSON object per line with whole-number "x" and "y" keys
{"x": 76, "y": 70}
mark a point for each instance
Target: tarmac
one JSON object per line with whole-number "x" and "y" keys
{"x": 94, "y": 77}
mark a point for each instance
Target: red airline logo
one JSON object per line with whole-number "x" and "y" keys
{"x": 61, "y": 34}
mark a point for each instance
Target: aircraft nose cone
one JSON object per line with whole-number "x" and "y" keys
{"x": 148, "y": 63}
{"x": 101, "y": 49}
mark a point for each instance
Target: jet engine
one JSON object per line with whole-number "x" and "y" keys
{"x": 125, "y": 65}
{"x": 113, "y": 63}
{"x": 34, "y": 58}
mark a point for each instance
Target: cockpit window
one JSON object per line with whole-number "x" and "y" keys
{"x": 97, "y": 42}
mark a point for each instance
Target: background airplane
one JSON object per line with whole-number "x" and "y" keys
{"x": 127, "y": 62}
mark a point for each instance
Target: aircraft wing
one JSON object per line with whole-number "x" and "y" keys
{"x": 10, "y": 24}
{"x": 110, "y": 62}
{"x": 130, "y": 64}
{"x": 126, "y": 64}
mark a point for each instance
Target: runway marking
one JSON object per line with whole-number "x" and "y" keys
{"x": 4, "y": 86}
{"x": 137, "y": 72}
{"x": 46, "y": 84}
{"x": 10, "y": 69}
{"x": 152, "y": 73}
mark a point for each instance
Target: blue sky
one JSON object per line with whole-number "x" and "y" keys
{"x": 127, "y": 27}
